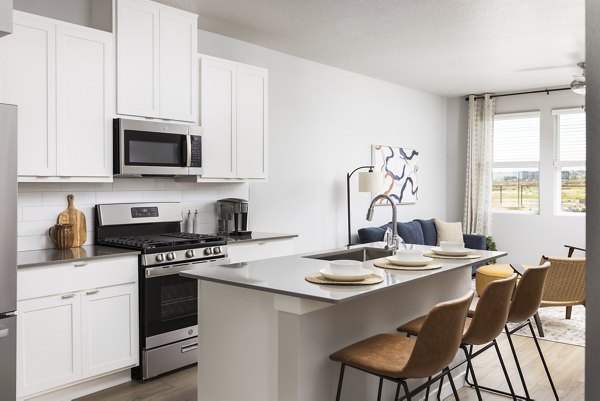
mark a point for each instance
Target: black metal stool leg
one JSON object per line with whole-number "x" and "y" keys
{"x": 406, "y": 392}
{"x": 439, "y": 393}
{"x": 398, "y": 393}
{"x": 341, "y": 379}
{"x": 514, "y": 352}
{"x": 452, "y": 385}
{"x": 510, "y": 387}
{"x": 537, "y": 344}
{"x": 427, "y": 391}
{"x": 380, "y": 387}
{"x": 470, "y": 368}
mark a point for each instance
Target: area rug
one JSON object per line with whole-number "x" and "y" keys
{"x": 558, "y": 329}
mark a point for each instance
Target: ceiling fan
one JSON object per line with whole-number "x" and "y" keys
{"x": 578, "y": 83}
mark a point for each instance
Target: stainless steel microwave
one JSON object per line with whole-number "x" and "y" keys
{"x": 152, "y": 148}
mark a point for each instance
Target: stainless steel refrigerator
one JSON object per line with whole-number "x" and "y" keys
{"x": 8, "y": 251}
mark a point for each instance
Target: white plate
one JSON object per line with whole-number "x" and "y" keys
{"x": 440, "y": 251}
{"x": 403, "y": 262}
{"x": 364, "y": 273}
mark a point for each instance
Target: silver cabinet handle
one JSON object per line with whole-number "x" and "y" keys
{"x": 92, "y": 292}
{"x": 79, "y": 264}
{"x": 189, "y": 348}
{"x": 4, "y": 333}
{"x": 66, "y": 296}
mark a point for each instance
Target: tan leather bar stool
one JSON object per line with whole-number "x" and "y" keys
{"x": 398, "y": 358}
{"x": 524, "y": 305}
{"x": 481, "y": 327}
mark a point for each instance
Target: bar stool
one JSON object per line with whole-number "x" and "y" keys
{"x": 397, "y": 358}
{"x": 481, "y": 327}
{"x": 525, "y": 303}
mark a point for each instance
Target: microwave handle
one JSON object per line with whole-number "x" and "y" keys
{"x": 188, "y": 149}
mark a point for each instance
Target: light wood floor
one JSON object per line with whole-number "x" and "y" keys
{"x": 566, "y": 363}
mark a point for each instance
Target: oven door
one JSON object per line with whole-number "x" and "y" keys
{"x": 150, "y": 148}
{"x": 170, "y": 306}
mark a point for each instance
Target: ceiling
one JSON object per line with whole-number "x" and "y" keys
{"x": 444, "y": 47}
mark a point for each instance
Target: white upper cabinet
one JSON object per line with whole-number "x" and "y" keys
{"x": 84, "y": 83}
{"x": 178, "y": 76}
{"x": 251, "y": 122}
{"x": 156, "y": 61}
{"x": 27, "y": 79}
{"x": 217, "y": 117}
{"x": 233, "y": 114}
{"x": 60, "y": 77}
{"x": 137, "y": 58}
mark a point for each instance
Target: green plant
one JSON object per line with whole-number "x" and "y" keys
{"x": 491, "y": 246}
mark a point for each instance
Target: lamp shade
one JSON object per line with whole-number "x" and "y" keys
{"x": 371, "y": 181}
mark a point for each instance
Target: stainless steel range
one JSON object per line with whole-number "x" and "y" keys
{"x": 168, "y": 302}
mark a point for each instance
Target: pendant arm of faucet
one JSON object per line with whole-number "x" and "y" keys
{"x": 394, "y": 242}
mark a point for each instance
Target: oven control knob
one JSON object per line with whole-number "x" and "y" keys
{"x": 170, "y": 256}
{"x": 190, "y": 253}
{"x": 159, "y": 258}
{"x": 216, "y": 250}
{"x": 208, "y": 251}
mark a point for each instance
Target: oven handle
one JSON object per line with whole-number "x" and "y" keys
{"x": 176, "y": 269}
{"x": 189, "y": 348}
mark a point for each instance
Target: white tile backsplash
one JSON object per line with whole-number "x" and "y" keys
{"x": 40, "y": 203}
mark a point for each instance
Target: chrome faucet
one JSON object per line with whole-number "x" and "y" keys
{"x": 393, "y": 243}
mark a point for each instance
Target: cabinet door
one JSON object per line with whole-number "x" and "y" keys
{"x": 217, "y": 115}
{"x": 178, "y": 65}
{"x": 137, "y": 58}
{"x": 109, "y": 329}
{"x": 251, "y": 122}
{"x": 48, "y": 343}
{"x": 84, "y": 93}
{"x": 27, "y": 79}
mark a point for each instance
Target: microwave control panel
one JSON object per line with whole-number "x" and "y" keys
{"x": 196, "y": 142}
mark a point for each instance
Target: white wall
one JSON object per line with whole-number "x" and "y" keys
{"x": 40, "y": 203}
{"x": 322, "y": 121}
{"x": 525, "y": 237}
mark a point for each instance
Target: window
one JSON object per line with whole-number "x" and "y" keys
{"x": 516, "y": 162}
{"x": 569, "y": 158}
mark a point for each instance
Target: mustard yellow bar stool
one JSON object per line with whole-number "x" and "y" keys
{"x": 398, "y": 358}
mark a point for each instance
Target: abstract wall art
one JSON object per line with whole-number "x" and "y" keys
{"x": 401, "y": 168}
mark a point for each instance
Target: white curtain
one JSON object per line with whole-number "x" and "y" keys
{"x": 478, "y": 188}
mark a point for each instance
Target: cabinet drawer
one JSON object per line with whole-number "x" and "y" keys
{"x": 261, "y": 250}
{"x": 34, "y": 282}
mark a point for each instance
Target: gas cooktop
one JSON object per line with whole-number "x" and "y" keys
{"x": 166, "y": 241}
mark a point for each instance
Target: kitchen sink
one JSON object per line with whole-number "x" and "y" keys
{"x": 359, "y": 254}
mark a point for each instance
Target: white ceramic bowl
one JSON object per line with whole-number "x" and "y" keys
{"x": 452, "y": 245}
{"x": 409, "y": 254}
{"x": 345, "y": 267}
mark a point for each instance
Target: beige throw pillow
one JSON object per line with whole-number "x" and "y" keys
{"x": 448, "y": 231}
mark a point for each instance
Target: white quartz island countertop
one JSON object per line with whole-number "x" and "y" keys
{"x": 265, "y": 333}
{"x": 285, "y": 275}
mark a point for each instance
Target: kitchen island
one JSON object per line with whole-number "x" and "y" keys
{"x": 265, "y": 333}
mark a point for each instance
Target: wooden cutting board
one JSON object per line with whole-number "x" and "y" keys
{"x": 77, "y": 219}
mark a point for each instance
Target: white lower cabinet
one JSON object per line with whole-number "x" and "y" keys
{"x": 249, "y": 251}
{"x": 109, "y": 329}
{"x": 80, "y": 332}
{"x": 48, "y": 343}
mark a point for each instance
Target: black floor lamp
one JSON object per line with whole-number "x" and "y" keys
{"x": 370, "y": 181}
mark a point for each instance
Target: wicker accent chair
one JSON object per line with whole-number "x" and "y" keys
{"x": 565, "y": 284}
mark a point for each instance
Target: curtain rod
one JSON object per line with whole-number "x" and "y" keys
{"x": 546, "y": 91}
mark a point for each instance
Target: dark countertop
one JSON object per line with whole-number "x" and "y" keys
{"x": 258, "y": 237}
{"x": 51, "y": 256}
{"x": 285, "y": 275}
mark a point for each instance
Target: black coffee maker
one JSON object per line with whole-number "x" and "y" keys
{"x": 233, "y": 217}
